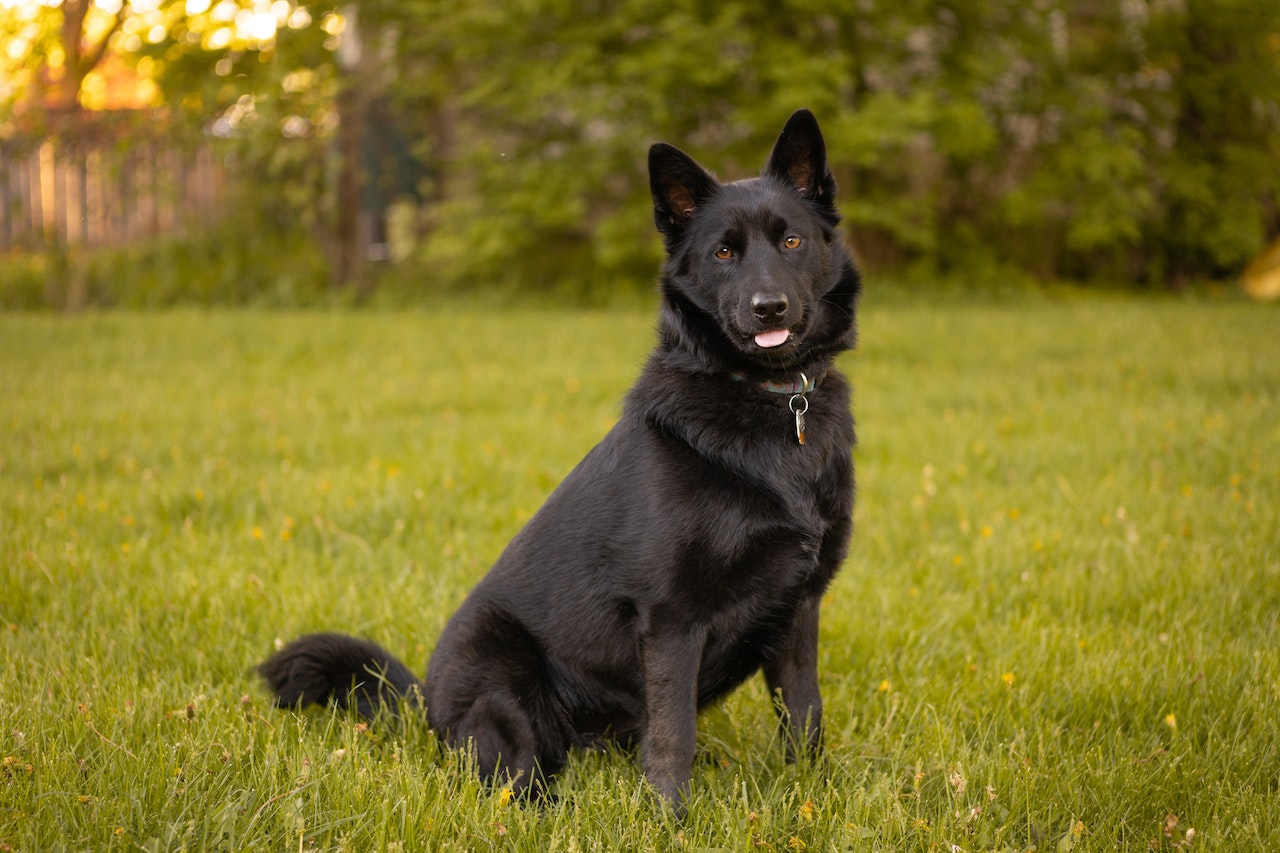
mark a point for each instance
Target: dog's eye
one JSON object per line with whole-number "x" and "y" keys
{"x": 792, "y": 242}
{"x": 724, "y": 253}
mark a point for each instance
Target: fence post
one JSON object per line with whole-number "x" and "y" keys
{"x": 6, "y": 199}
{"x": 81, "y": 162}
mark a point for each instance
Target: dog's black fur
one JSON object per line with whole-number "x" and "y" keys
{"x": 692, "y": 546}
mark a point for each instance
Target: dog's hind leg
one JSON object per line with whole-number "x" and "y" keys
{"x": 505, "y": 745}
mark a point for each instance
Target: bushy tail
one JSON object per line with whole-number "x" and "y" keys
{"x": 341, "y": 670}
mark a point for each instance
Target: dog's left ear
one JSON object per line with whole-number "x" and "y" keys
{"x": 800, "y": 158}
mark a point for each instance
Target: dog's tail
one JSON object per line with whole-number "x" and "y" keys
{"x": 343, "y": 671}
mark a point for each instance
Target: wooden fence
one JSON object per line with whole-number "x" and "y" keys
{"x": 90, "y": 191}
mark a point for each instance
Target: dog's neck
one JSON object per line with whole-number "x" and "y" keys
{"x": 803, "y": 385}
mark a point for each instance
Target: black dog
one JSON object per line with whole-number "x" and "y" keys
{"x": 692, "y": 546}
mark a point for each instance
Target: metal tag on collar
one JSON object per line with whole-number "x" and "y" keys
{"x": 799, "y": 408}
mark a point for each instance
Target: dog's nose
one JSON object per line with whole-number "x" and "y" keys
{"x": 769, "y": 307}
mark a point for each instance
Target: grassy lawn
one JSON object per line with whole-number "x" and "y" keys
{"x": 1059, "y": 626}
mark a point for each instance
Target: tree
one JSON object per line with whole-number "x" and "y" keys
{"x": 81, "y": 48}
{"x": 51, "y": 50}
{"x": 1217, "y": 179}
{"x": 1065, "y": 137}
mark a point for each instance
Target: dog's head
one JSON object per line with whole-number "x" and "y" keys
{"x": 755, "y": 269}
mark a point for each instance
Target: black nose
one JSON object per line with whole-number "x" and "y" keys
{"x": 769, "y": 307}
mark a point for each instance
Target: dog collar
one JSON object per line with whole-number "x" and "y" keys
{"x": 803, "y": 386}
{"x": 799, "y": 403}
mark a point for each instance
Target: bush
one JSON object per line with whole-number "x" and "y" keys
{"x": 234, "y": 263}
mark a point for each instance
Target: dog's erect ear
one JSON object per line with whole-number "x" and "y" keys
{"x": 800, "y": 158}
{"x": 679, "y": 187}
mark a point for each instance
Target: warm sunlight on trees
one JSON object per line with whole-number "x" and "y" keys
{"x": 199, "y": 55}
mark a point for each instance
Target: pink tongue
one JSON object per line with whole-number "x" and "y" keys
{"x": 773, "y": 339}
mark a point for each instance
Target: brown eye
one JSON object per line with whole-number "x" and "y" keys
{"x": 724, "y": 253}
{"x": 792, "y": 242}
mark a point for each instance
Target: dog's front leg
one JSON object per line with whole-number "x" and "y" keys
{"x": 671, "y": 655}
{"x": 794, "y": 674}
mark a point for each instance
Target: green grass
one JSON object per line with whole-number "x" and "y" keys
{"x": 1058, "y": 626}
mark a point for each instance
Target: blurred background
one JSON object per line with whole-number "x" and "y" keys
{"x": 158, "y": 152}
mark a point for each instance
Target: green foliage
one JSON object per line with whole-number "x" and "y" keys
{"x": 1221, "y": 62}
{"x": 1056, "y": 629}
{"x": 1072, "y": 139}
{"x": 276, "y": 105}
{"x": 1121, "y": 141}
{"x": 239, "y": 261}
{"x": 202, "y": 75}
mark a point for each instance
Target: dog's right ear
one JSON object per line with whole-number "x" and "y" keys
{"x": 679, "y": 187}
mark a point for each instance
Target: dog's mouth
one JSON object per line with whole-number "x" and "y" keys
{"x": 774, "y": 338}
{"x": 754, "y": 338}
